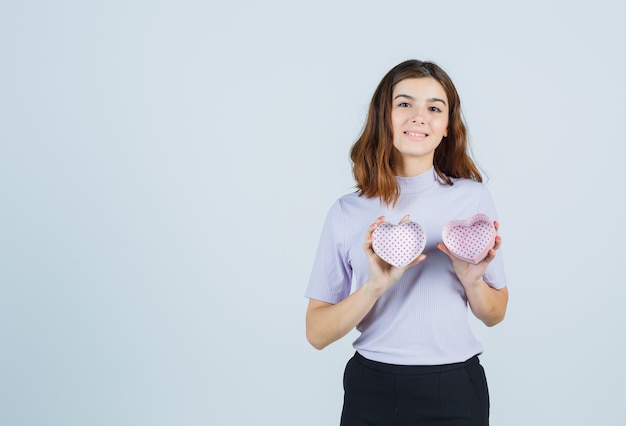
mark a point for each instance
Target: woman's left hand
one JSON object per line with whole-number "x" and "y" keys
{"x": 469, "y": 274}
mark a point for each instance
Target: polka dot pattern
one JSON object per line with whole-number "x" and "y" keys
{"x": 470, "y": 239}
{"x": 399, "y": 245}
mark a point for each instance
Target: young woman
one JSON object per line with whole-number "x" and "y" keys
{"x": 416, "y": 360}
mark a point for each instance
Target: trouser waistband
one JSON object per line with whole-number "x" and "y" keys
{"x": 413, "y": 369}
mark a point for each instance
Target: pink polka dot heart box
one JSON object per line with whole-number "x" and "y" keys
{"x": 470, "y": 239}
{"x": 400, "y": 244}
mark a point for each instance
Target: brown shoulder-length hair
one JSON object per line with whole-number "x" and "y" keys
{"x": 372, "y": 153}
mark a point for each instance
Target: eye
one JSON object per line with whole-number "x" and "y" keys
{"x": 434, "y": 109}
{"x": 404, "y": 105}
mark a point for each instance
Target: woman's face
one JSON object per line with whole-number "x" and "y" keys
{"x": 419, "y": 118}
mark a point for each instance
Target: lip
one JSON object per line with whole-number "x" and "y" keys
{"x": 414, "y": 134}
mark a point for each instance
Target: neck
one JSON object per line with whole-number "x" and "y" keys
{"x": 413, "y": 167}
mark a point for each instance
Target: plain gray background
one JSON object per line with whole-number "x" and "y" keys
{"x": 166, "y": 166}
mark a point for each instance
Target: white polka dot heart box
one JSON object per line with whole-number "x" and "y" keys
{"x": 400, "y": 244}
{"x": 470, "y": 239}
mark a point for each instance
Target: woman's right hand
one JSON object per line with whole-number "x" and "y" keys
{"x": 382, "y": 274}
{"x": 328, "y": 322}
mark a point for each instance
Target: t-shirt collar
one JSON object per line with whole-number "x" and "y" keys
{"x": 418, "y": 183}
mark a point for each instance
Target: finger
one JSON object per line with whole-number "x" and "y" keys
{"x": 367, "y": 245}
{"x": 374, "y": 225}
{"x": 406, "y": 218}
{"x": 497, "y": 243}
{"x": 490, "y": 256}
{"x": 496, "y": 225}
{"x": 442, "y": 247}
{"x": 417, "y": 260}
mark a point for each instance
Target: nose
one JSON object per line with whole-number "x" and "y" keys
{"x": 418, "y": 116}
{"x": 418, "y": 119}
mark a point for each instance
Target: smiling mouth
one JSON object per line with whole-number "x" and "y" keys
{"x": 415, "y": 134}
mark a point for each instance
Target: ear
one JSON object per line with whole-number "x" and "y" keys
{"x": 445, "y": 134}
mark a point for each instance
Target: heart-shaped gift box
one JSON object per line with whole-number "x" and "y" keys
{"x": 400, "y": 244}
{"x": 470, "y": 239}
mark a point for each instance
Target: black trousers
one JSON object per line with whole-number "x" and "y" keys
{"x": 385, "y": 394}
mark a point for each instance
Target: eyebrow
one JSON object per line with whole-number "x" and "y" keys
{"x": 401, "y": 95}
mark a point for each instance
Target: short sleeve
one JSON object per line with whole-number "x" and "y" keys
{"x": 495, "y": 275}
{"x": 331, "y": 277}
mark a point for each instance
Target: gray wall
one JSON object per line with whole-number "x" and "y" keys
{"x": 165, "y": 168}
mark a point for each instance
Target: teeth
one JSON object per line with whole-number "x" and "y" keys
{"x": 416, "y": 134}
